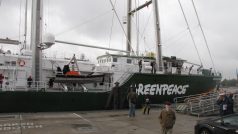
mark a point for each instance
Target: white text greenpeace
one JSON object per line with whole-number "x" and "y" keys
{"x": 161, "y": 89}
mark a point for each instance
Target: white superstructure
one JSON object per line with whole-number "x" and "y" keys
{"x": 17, "y": 68}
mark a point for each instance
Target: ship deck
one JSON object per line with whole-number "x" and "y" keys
{"x": 91, "y": 122}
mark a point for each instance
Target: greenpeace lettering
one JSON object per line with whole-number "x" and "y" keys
{"x": 161, "y": 89}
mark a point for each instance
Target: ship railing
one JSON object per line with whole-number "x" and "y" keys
{"x": 107, "y": 86}
{"x": 13, "y": 86}
{"x": 37, "y": 86}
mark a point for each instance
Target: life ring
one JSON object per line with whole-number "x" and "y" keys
{"x": 21, "y": 63}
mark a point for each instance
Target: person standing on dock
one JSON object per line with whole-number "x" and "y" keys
{"x": 115, "y": 91}
{"x": 140, "y": 65}
{"x": 223, "y": 103}
{"x": 167, "y": 119}
{"x": 147, "y": 105}
{"x": 132, "y": 98}
{"x": 230, "y": 107}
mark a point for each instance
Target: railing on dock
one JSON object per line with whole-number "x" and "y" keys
{"x": 201, "y": 104}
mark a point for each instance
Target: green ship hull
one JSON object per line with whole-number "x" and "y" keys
{"x": 160, "y": 87}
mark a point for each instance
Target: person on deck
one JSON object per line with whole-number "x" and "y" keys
{"x": 29, "y": 81}
{"x": 51, "y": 83}
{"x": 153, "y": 67}
{"x": 1, "y": 80}
{"x": 140, "y": 65}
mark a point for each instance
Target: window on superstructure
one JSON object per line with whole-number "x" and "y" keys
{"x": 14, "y": 63}
{"x": 7, "y": 63}
{"x": 128, "y": 61}
{"x": 114, "y": 59}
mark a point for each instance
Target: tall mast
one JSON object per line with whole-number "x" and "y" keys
{"x": 128, "y": 40}
{"x": 25, "y": 34}
{"x": 157, "y": 33}
{"x": 36, "y": 32}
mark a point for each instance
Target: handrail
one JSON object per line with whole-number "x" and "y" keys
{"x": 127, "y": 73}
{"x": 206, "y": 104}
{"x": 35, "y": 85}
{"x": 176, "y": 99}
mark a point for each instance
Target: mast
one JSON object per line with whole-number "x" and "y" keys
{"x": 36, "y": 32}
{"x": 25, "y": 34}
{"x": 157, "y": 33}
{"x": 128, "y": 40}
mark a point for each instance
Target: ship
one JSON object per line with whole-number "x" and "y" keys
{"x": 90, "y": 87}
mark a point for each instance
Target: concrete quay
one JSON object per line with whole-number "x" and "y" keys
{"x": 91, "y": 122}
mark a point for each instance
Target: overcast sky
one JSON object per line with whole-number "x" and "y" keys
{"x": 91, "y": 22}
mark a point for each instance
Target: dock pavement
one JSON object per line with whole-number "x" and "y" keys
{"x": 91, "y": 122}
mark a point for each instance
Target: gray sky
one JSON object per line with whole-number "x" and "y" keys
{"x": 90, "y": 22}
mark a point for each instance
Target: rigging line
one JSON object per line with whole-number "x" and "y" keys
{"x": 205, "y": 39}
{"x": 146, "y": 24}
{"x": 83, "y": 23}
{"x": 173, "y": 42}
{"x": 48, "y": 15}
{"x": 113, "y": 15}
{"x": 190, "y": 31}
{"x": 176, "y": 37}
{"x": 143, "y": 32}
{"x": 141, "y": 35}
{"x": 121, "y": 25}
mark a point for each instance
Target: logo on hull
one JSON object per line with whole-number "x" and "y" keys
{"x": 161, "y": 89}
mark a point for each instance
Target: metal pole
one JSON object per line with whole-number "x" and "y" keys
{"x": 157, "y": 33}
{"x": 25, "y": 34}
{"x": 147, "y": 3}
{"x": 85, "y": 45}
{"x": 9, "y": 41}
{"x": 36, "y": 32}
{"x": 128, "y": 41}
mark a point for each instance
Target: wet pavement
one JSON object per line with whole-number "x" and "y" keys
{"x": 91, "y": 122}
